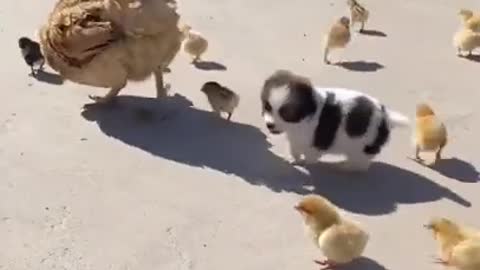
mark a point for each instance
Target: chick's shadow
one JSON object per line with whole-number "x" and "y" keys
{"x": 360, "y": 66}
{"x": 47, "y": 77}
{"x": 362, "y": 263}
{"x": 209, "y": 65}
{"x": 181, "y": 133}
{"x": 457, "y": 169}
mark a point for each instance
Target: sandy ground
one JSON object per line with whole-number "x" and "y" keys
{"x": 103, "y": 190}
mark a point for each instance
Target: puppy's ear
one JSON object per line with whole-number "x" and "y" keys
{"x": 299, "y": 104}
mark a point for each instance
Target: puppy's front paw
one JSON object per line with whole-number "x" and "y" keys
{"x": 297, "y": 162}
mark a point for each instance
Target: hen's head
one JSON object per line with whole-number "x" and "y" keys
{"x": 80, "y": 32}
{"x": 465, "y": 13}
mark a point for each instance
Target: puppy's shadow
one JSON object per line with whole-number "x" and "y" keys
{"x": 47, "y": 77}
{"x": 472, "y": 57}
{"x": 178, "y": 132}
{"x": 457, "y": 169}
{"x": 362, "y": 263}
{"x": 361, "y": 66}
{"x": 209, "y": 65}
{"x": 378, "y": 191}
{"x": 374, "y": 33}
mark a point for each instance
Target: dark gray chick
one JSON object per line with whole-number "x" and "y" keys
{"x": 221, "y": 98}
{"x": 31, "y": 54}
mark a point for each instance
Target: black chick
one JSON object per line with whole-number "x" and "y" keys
{"x": 31, "y": 54}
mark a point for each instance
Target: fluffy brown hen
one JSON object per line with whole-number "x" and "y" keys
{"x": 105, "y": 43}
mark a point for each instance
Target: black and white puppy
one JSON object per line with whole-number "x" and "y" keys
{"x": 320, "y": 121}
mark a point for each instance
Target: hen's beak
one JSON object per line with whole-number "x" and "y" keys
{"x": 427, "y": 226}
{"x": 298, "y": 208}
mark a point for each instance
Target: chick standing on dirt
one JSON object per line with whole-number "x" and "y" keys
{"x": 358, "y": 14}
{"x": 337, "y": 37}
{"x": 470, "y": 20}
{"x": 32, "y": 54}
{"x": 195, "y": 44}
{"x": 466, "y": 40}
{"x": 459, "y": 246}
{"x": 221, "y": 98}
{"x": 340, "y": 240}
{"x": 430, "y": 133}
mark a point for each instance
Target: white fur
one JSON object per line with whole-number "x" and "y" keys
{"x": 301, "y": 135}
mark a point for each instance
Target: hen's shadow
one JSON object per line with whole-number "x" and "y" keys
{"x": 374, "y": 33}
{"x": 179, "y": 132}
{"x": 378, "y": 191}
{"x": 361, "y": 66}
{"x": 47, "y": 77}
{"x": 209, "y": 65}
{"x": 457, "y": 169}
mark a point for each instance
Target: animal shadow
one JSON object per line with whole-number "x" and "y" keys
{"x": 378, "y": 191}
{"x": 51, "y": 78}
{"x": 457, "y": 169}
{"x": 472, "y": 57}
{"x": 361, "y": 66}
{"x": 209, "y": 65}
{"x": 362, "y": 263}
{"x": 374, "y": 33}
{"x": 179, "y": 132}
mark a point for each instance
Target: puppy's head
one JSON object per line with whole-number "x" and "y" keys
{"x": 286, "y": 99}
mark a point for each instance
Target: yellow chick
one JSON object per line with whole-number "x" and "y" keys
{"x": 221, "y": 98}
{"x": 466, "y": 40}
{"x": 195, "y": 44}
{"x": 459, "y": 246}
{"x": 340, "y": 240}
{"x": 470, "y": 20}
{"x": 430, "y": 132}
{"x": 358, "y": 14}
{"x": 337, "y": 37}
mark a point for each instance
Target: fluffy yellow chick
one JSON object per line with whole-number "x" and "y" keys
{"x": 430, "y": 132}
{"x": 195, "y": 44}
{"x": 466, "y": 40}
{"x": 459, "y": 246}
{"x": 340, "y": 240}
{"x": 358, "y": 14}
{"x": 470, "y": 20}
{"x": 221, "y": 98}
{"x": 337, "y": 37}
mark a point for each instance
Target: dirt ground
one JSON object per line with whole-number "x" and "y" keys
{"x": 182, "y": 189}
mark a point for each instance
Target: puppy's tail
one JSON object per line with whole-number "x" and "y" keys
{"x": 397, "y": 119}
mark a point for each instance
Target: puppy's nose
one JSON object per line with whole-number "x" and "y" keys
{"x": 270, "y": 126}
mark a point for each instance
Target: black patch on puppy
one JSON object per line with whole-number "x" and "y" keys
{"x": 328, "y": 123}
{"x": 383, "y": 134}
{"x": 359, "y": 117}
{"x": 300, "y": 103}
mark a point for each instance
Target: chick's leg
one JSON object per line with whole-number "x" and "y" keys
{"x": 325, "y": 55}
{"x": 327, "y": 264}
{"x": 161, "y": 88}
{"x": 229, "y": 116}
{"x": 417, "y": 153}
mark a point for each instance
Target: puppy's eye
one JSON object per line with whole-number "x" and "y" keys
{"x": 267, "y": 107}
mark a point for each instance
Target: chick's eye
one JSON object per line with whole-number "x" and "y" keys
{"x": 267, "y": 107}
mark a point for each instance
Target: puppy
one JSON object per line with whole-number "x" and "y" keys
{"x": 320, "y": 121}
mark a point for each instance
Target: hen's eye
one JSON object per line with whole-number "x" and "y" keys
{"x": 92, "y": 18}
{"x": 267, "y": 107}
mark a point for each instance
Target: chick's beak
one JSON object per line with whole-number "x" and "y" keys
{"x": 298, "y": 208}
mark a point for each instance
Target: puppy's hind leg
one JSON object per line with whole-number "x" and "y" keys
{"x": 296, "y": 155}
{"x": 357, "y": 162}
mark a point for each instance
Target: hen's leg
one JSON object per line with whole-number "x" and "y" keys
{"x": 161, "y": 88}
{"x": 327, "y": 264}
{"x": 109, "y": 96}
